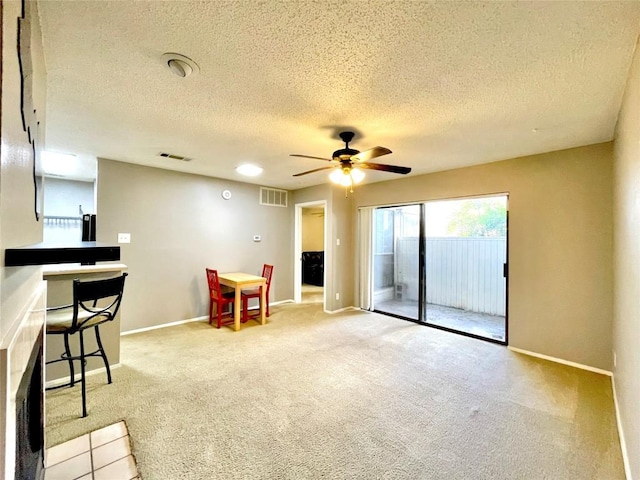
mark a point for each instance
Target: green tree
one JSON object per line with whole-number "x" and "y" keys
{"x": 479, "y": 218}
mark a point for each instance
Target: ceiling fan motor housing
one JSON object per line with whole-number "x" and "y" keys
{"x": 346, "y": 136}
{"x": 344, "y": 153}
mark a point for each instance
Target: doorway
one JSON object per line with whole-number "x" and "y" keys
{"x": 443, "y": 264}
{"x": 310, "y": 234}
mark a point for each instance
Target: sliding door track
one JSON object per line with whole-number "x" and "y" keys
{"x": 446, "y": 329}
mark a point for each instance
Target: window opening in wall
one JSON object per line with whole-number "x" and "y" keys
{"x": 66, "y": 202}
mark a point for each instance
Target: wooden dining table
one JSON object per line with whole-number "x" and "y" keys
{"x": 238, "y": 281}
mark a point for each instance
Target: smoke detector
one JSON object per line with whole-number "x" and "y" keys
{"x": 180, "y": 65}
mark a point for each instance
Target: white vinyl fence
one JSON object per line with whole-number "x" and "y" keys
{"x": 464, "y": 273}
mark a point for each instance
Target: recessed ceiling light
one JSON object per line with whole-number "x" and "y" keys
{"x": 249, "y": 170}
{"x": 180, "y": 65}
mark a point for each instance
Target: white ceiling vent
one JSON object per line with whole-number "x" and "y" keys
{"x": 175, "y": 157}
{"x": 273, "y": 197}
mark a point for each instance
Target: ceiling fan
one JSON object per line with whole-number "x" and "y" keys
{"x": 347, "y": 163}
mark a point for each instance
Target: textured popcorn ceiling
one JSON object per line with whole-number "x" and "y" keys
{"x": 442, "y": 84}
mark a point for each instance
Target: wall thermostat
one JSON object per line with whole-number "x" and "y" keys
{"x": 226, "y": 194}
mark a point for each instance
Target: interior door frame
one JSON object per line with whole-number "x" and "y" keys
{"x": 297, "y": 251}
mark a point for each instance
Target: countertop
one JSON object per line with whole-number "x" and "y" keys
{"x": 75, "y": 268}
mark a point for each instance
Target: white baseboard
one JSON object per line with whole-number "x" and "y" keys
{"x": 280, "y": 302}
{"x": 623, "y": 443}
{"x": 562, "y": 361}
{"x": 78, "y": 376}
{"x": 196, "y": 319}
{"x": 164, "y": 325}
{"x": 331, "y": 312}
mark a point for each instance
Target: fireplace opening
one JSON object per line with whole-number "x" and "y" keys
{"x": 30, "y": 419}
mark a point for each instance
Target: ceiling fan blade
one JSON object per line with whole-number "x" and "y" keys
{"x": 370, "y": 154}
{"x": 309, "y": 156}
{"x": 313, "y": 171}
{"x": 384, "y": 168}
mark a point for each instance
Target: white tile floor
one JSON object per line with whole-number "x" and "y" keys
{"x": 103, "y": 454}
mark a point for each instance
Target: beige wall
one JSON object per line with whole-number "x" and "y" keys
{"x": 626, "y": 309}
{"x": 312, "y": 230}
{"x": 342, "y": 225}
{"x": 18, "y": 226}
{"x": 560, "y": 243}
{"x": 179, "y": 225}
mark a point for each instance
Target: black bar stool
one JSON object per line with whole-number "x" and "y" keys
{"x": 82, "y": 314}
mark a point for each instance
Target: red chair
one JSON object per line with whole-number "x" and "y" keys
{"x": 219, "y": 299}
{"x": 267, "y": 271}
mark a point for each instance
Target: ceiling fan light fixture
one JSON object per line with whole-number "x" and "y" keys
{"x": 337, "y": 176}
{"x": 347, "y": 176}
{"x": 357, "y": 175}
{"x": 249, "y": 170}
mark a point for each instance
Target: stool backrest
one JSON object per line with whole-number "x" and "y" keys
{"x": 86, "y": 295}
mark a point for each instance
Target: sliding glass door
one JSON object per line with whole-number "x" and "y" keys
{"x": 466, "y": 253}
{"x": 443, "y": 263}
{"x": 396, "y": 286}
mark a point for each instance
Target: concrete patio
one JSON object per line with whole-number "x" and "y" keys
{"x": 481, "y": 324}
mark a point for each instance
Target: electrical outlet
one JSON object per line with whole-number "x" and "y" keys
{"x": 337, "y": 296}
{"x": 337, "y": 241}
{"x": 124, "y": 238}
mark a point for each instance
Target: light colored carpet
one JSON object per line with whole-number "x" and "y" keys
{"x": 354, "y": 395}
{"x": 312, "y": 293}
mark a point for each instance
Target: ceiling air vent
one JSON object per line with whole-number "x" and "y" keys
{"x": 175, "y": 157}
{"x": 273, "y": 197}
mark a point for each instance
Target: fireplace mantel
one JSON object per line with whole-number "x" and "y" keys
{"x": 15, "y": 351}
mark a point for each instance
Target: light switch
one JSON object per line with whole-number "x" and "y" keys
{"x": 257, "y": 238}
{"x": 124, "y": 238}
